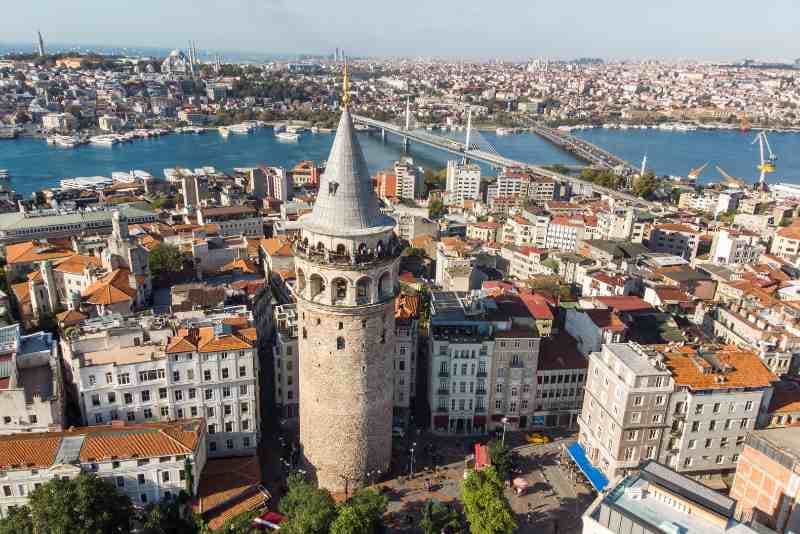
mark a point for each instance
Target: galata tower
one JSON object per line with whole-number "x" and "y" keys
{"x": 347, "y": 259}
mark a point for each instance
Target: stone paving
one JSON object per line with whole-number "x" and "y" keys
{"x": 553, "y": 503}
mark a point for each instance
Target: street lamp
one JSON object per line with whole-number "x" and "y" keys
{"x": 413, "y": 445}
{"x": 505, "y": 422}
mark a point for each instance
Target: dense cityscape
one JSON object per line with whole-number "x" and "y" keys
{"x": 488, "y": 346}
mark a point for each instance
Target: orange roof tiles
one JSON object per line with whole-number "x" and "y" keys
{"x": 28, "y": 450}
{"x": 606, "y": 320}
{"x": 790, "y": 232}
{"x": 112, "y": 288}
{"x": 407, "y": 307}
{"x": 745, "y": 369}
{"x": 118, "y": 440}
{"x": 31, "y": 251}
{"x": 76, "y": 264}
{"x": 277, "y": 246}
{"x": 21, "y": 292}
{"x": 70, "y": 317}
{"x": 246, "y": 266}
{"x": 204, "y": 340}
{"x": 229, "y": 486}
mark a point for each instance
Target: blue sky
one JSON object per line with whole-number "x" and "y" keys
{"x": 616, "y": 29}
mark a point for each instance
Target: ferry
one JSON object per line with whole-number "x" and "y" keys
{"x": 314, "y": 129}
{"x": 224, "y": 131}
{"x": 504, "y": 131}
{"x": 86, "y": 182}
{"x": 287, "y": 136}
{"x": 65, "y": 141}
{"x": 105, "y": 140}
{"x": 4, "y": 175}
{"x": 295, "y": 129}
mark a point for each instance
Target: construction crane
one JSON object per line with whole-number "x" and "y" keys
{"x": 730, "y": 180}
{"x": 694, "y": 174}
{"x": 767, "y": 161}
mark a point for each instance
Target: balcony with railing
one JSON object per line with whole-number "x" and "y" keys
{"x": 444, "y": 391}
{"x": 444, "y": 374}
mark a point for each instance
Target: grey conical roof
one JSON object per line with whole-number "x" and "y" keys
{"x": 346, "y": 204}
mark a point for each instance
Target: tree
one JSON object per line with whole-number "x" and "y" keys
{"x": 309, "y": 510}
{"x": 171, "y": 516}
{"x": 240, "y": 524}
{"x": 17, "y": 521}
{"x": 645, "y": 185}
{"x": 84, "y": 505}
{"x": 501, "y": 458}
{"x": 362, "y": 514}
{"x": 552, "y": 264}
{"x": 486, "y": 508}
{"x": 436, "y": 209}
{"x": 165, "y": 259}
{"x": 437, "y": 517}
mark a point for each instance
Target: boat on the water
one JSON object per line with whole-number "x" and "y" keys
{"x": 86, "y": 182}
{"x": 65, "y": 141}
{"x": 4, "y": 175}
{"x": 105, "y": 140}
{"x": 224, "y": 131}
{"x": 287, "y": 136}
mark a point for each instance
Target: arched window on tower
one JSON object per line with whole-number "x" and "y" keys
{"x": 305, "y": 333}
{"x": 340, "y": 343}
{"x": 316, "y": 285}
{"x": 363, "y": 290}
{"x": 339, "y": 287}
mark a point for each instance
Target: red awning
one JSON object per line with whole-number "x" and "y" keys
{"x": 482, "y": 458}
{"x": 441, "y": 420}
{"x": 479, "y": 420}
{"x": 497, "y": 418}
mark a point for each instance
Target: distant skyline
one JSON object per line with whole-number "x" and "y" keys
{"x": 616, "y": 29}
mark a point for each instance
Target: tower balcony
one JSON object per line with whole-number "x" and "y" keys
{"x": 360, "y": 259}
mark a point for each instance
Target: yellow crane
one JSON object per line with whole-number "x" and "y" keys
{"x": 694, "y": 174}
{"x": 767, "y": 160}
{"x": 730, "y": 180}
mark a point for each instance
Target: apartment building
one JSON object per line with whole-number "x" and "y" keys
{"x": 729, "y": 247}
{"x": 719, "y": 393}
{"x": 408, "y": 179}
{"x": 138, "y": 370}
{"x": 767, "y": 483}
{"x": 406, "y": 348}
{"x": 455, "y": 265}
{"x": 285, "y": 355}
{"x": 461, "y": 348}
{"x": 484, "y": 356}
{"x": 658, "y": 500}
{"x": 624, "y": 412}
{"x": 233, "y": 220}
{"x": 147, "y": 462}
{"x": 676, "y": 239}
{"x": 560, "y": 380}
{"x": 463, "y": 182}
{"x": 786, "y": 242}
{"x": 31, "y": 390}
{"x": 520, "y": 232}
{"x": 769, "y": 331}
{"x": 526, "y": 262}
{"x": 484, "y": 231}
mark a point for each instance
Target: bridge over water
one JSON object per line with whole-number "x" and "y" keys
{"x": 491, "y": 157}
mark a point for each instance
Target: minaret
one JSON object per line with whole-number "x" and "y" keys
{"x": 347, "y": 259}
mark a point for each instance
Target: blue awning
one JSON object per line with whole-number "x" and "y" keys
{"x": 595, "y": 476}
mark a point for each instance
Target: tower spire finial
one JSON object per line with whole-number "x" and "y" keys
{"x": 346, "y": 87}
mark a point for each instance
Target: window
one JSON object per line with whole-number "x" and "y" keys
{"x": 176, "y": 376}
{"x": 212, "y": 446}
{"x": 245, "y": 424}
{"x": 162, "y": 393}
{"x": 709, "y": 443}
{"x": 636, "y": 417}
{"x": 192, "y": 393}
{"x": 130, "y": 416}
{"x": 128, "y": 398}
{"x": 687, "y": 462}
{"x": 193, "y": 411}
{"x": 229, "y": 443}
{"x": 165, "y": 476}
{"x": 123, "y": 378}
{"x": 226, "y": 391}
{"x": 498, "y": 388}
{"x": 224, "y": 372}
{"x": 120, "y": 482}
{"x": 698, "y": 410}
{"x": 716, "y": 408}
{"x": 653, "y": 434}
{"x": 207, "y": 375}
{"x": 148, "y": 413}
{"x": 692, "y": 443}
{"x": 146, "y": 396}
{"x": 95, "y": 400}
{"x": 228, "y": 426}
{"x": 209, "y": 411}
{"x": 660, "y": 399}
{"x": 720, "y": 459}
{"x": 190, "y": 374}
{"x": 748, "y": 406}
{"x": 340, "y": 343}
{"x": 212, "y": 428}
{"x": 109, "y": 378}
{"x": 246, "y": 441}
{"x": 164, "y": 411}
{"x": 91, "y": 380}
{"x": 695, "y": 426}
{"x": 112, "y": 398}
{"x": 143, "y": 497}
{"x": 178, "y": 395}
{"x": 98, "y": 418}
{"x": 208, "y": 393}
{"x": 140, "y": 478}
{"x": 712, "y": 425}
{"x": 242, "y": 371}
{"x": 226, "y": 409}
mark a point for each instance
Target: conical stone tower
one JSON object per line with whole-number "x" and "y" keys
{"x": 347, "y": 259}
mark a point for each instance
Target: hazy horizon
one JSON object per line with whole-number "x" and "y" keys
{"x": 625, "y": 29}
